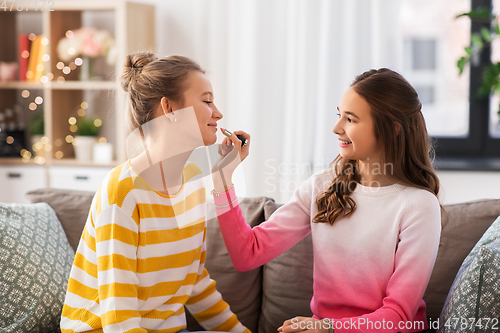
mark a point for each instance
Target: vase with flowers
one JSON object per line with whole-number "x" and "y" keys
{"x": 89, "y": 45}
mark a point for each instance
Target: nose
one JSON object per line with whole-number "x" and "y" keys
{"x": 337, "y": 128}
{"x": 216, "y": 113}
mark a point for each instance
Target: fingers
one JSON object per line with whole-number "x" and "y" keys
{"x": 243, "y": 134}
{"x": 292, "y": 325}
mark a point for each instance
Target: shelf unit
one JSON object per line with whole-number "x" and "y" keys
{"x": 132, "y": 26}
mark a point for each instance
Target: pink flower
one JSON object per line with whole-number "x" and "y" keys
{"x": 89, "y": 42}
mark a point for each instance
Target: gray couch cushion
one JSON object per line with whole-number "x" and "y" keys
{"x": 475, "y": 293}
{"x": 241, "y": 290}
{"x": 464, "y": 226}
{"x": 287, "y": 282}
{"x": 35, "y": 262}
{"x": 71, "y": 207}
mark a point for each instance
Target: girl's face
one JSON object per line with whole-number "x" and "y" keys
{"x": 200, "y": 96}
{"x": 355, "y": 130}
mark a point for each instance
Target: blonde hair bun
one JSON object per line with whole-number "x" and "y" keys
{"x": 134, "y": 63}
{"x": 147, "y": 79}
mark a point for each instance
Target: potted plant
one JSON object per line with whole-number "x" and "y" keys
{"x": 491, "y": 74}
{"x": 86, "y": 135}
{"x": 36, "y": 128}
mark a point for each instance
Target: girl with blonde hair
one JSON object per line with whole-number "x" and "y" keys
{"x": 142, "y": 253}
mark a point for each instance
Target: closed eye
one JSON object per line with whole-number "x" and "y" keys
{"x": 208, "y": 102}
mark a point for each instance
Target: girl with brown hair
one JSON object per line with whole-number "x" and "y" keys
{"x": 374, "y": 215}
{"x": 142, "y": 253}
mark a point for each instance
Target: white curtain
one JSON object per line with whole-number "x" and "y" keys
{"x": 278, "y": 70}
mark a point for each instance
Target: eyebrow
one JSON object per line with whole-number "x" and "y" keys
{"x": 349, "y": 112}
{"x": 207, "y": 93}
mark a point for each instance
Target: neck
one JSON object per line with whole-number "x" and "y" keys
{"x": 165, "y": 175}
{"x": 375, "y": 174}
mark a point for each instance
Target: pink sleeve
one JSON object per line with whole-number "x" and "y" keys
{"x": 250, "y": 248}
{"x": 416, "y": 253}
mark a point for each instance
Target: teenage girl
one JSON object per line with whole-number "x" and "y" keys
{"x": 374, "y": 215}
{"x": 141, "y": 256}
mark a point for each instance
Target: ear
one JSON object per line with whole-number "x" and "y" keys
{"x": 166, "y": 105}
{"x": 397, "y": 127}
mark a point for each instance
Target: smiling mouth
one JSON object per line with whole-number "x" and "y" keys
{"x": 345, "y": 142}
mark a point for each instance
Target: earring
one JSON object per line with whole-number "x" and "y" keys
{"x": 169, "y": 117}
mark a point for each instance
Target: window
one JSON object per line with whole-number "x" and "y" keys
{"x": 466, "y": 130}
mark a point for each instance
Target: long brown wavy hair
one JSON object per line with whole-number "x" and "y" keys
{"x": 409, "y": 151}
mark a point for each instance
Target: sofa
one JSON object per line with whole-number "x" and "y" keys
{"x": 37, "y": 243}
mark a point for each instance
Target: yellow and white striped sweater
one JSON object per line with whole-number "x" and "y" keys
{"x": 141, "y": 259}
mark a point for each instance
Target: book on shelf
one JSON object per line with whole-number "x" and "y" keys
{"x": 23, "y": 56}
{"x": 35, "y": 65}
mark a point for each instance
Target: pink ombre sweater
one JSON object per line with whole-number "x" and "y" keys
{"x": 370, "y": 269}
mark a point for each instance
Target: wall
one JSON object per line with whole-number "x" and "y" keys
{"x": 180, "y": 27}
{"x": 461, "y": 186}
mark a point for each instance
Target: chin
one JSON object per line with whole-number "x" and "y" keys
{"x": 210, "y": 141}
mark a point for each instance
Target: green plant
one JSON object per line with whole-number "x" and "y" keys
{"x": 87, "y": 127}
{"x": 491, "y": 73}
{"x": 36, "y": 124}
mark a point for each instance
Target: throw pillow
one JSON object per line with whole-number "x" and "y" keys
{"x": 464, "y": 226}
{"x": 35, "y": 261}
{"x": 241, "y": 290}
{"x": 473, "y": 303}
{"x": 287, "y": 282}
{"x": 71, "y": 207}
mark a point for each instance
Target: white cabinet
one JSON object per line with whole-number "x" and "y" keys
{"x": 77, "y": 178}
{"x": 16, "y": 180}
